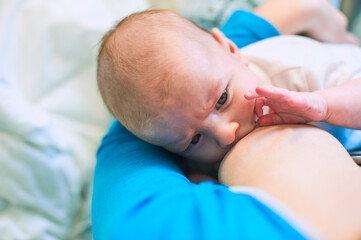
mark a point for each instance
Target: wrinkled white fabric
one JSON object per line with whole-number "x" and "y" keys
{"x": 51, "y": 114}
{"x": 303, "y": 64}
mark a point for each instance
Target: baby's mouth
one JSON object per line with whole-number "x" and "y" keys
{"x": 255, "y": 118}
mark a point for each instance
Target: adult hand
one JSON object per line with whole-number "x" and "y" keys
{"x": 287, "y": 106}
{"x": 316, "y": 19}
{"x": 328, "y": 24}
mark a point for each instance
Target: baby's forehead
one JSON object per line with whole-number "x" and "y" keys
{"x": 177, "y": 73}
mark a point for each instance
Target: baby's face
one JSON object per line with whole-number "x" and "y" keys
{"x": 206, "y": 113}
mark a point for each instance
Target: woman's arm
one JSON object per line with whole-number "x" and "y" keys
{"x": 316, "y": 19}
{"x": 305, "y": 168}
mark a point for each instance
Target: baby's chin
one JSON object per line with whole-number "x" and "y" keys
{"x": 215, "y": 157}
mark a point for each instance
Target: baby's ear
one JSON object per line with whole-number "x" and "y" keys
{"x": 228, "y": 45}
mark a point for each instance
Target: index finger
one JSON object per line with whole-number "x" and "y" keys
{"x": 272, "y": 92}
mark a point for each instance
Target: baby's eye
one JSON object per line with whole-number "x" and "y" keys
{"x": 222, "y": 100}
{"x": 195, "y": 139}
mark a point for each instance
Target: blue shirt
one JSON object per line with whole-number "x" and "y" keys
{"x": 244, "y": 28}
{"x": 140, "y": 192}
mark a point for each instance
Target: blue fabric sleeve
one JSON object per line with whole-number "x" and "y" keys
{"x": 244, "y": 28}
{"x": 140, "y": 193}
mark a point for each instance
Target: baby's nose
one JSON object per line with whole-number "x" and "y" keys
{"x": 227, "y": 134}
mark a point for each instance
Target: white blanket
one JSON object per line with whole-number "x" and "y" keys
{"x": 51, "y": 114}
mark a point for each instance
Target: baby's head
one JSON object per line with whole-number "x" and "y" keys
{"x": 174, "y": 85}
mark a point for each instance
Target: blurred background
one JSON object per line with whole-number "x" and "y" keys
{"x": 51, "y": 114}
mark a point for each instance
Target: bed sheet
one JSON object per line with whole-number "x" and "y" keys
{"x": 51, "y": 114}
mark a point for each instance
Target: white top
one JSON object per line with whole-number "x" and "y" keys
{"x": 302, "y": 64}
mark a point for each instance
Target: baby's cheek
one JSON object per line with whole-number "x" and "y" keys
{"x": 208, "y": 153}
{"x": 248, "y": 127}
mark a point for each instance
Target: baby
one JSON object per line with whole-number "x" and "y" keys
{"x": 174, "y": 85}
